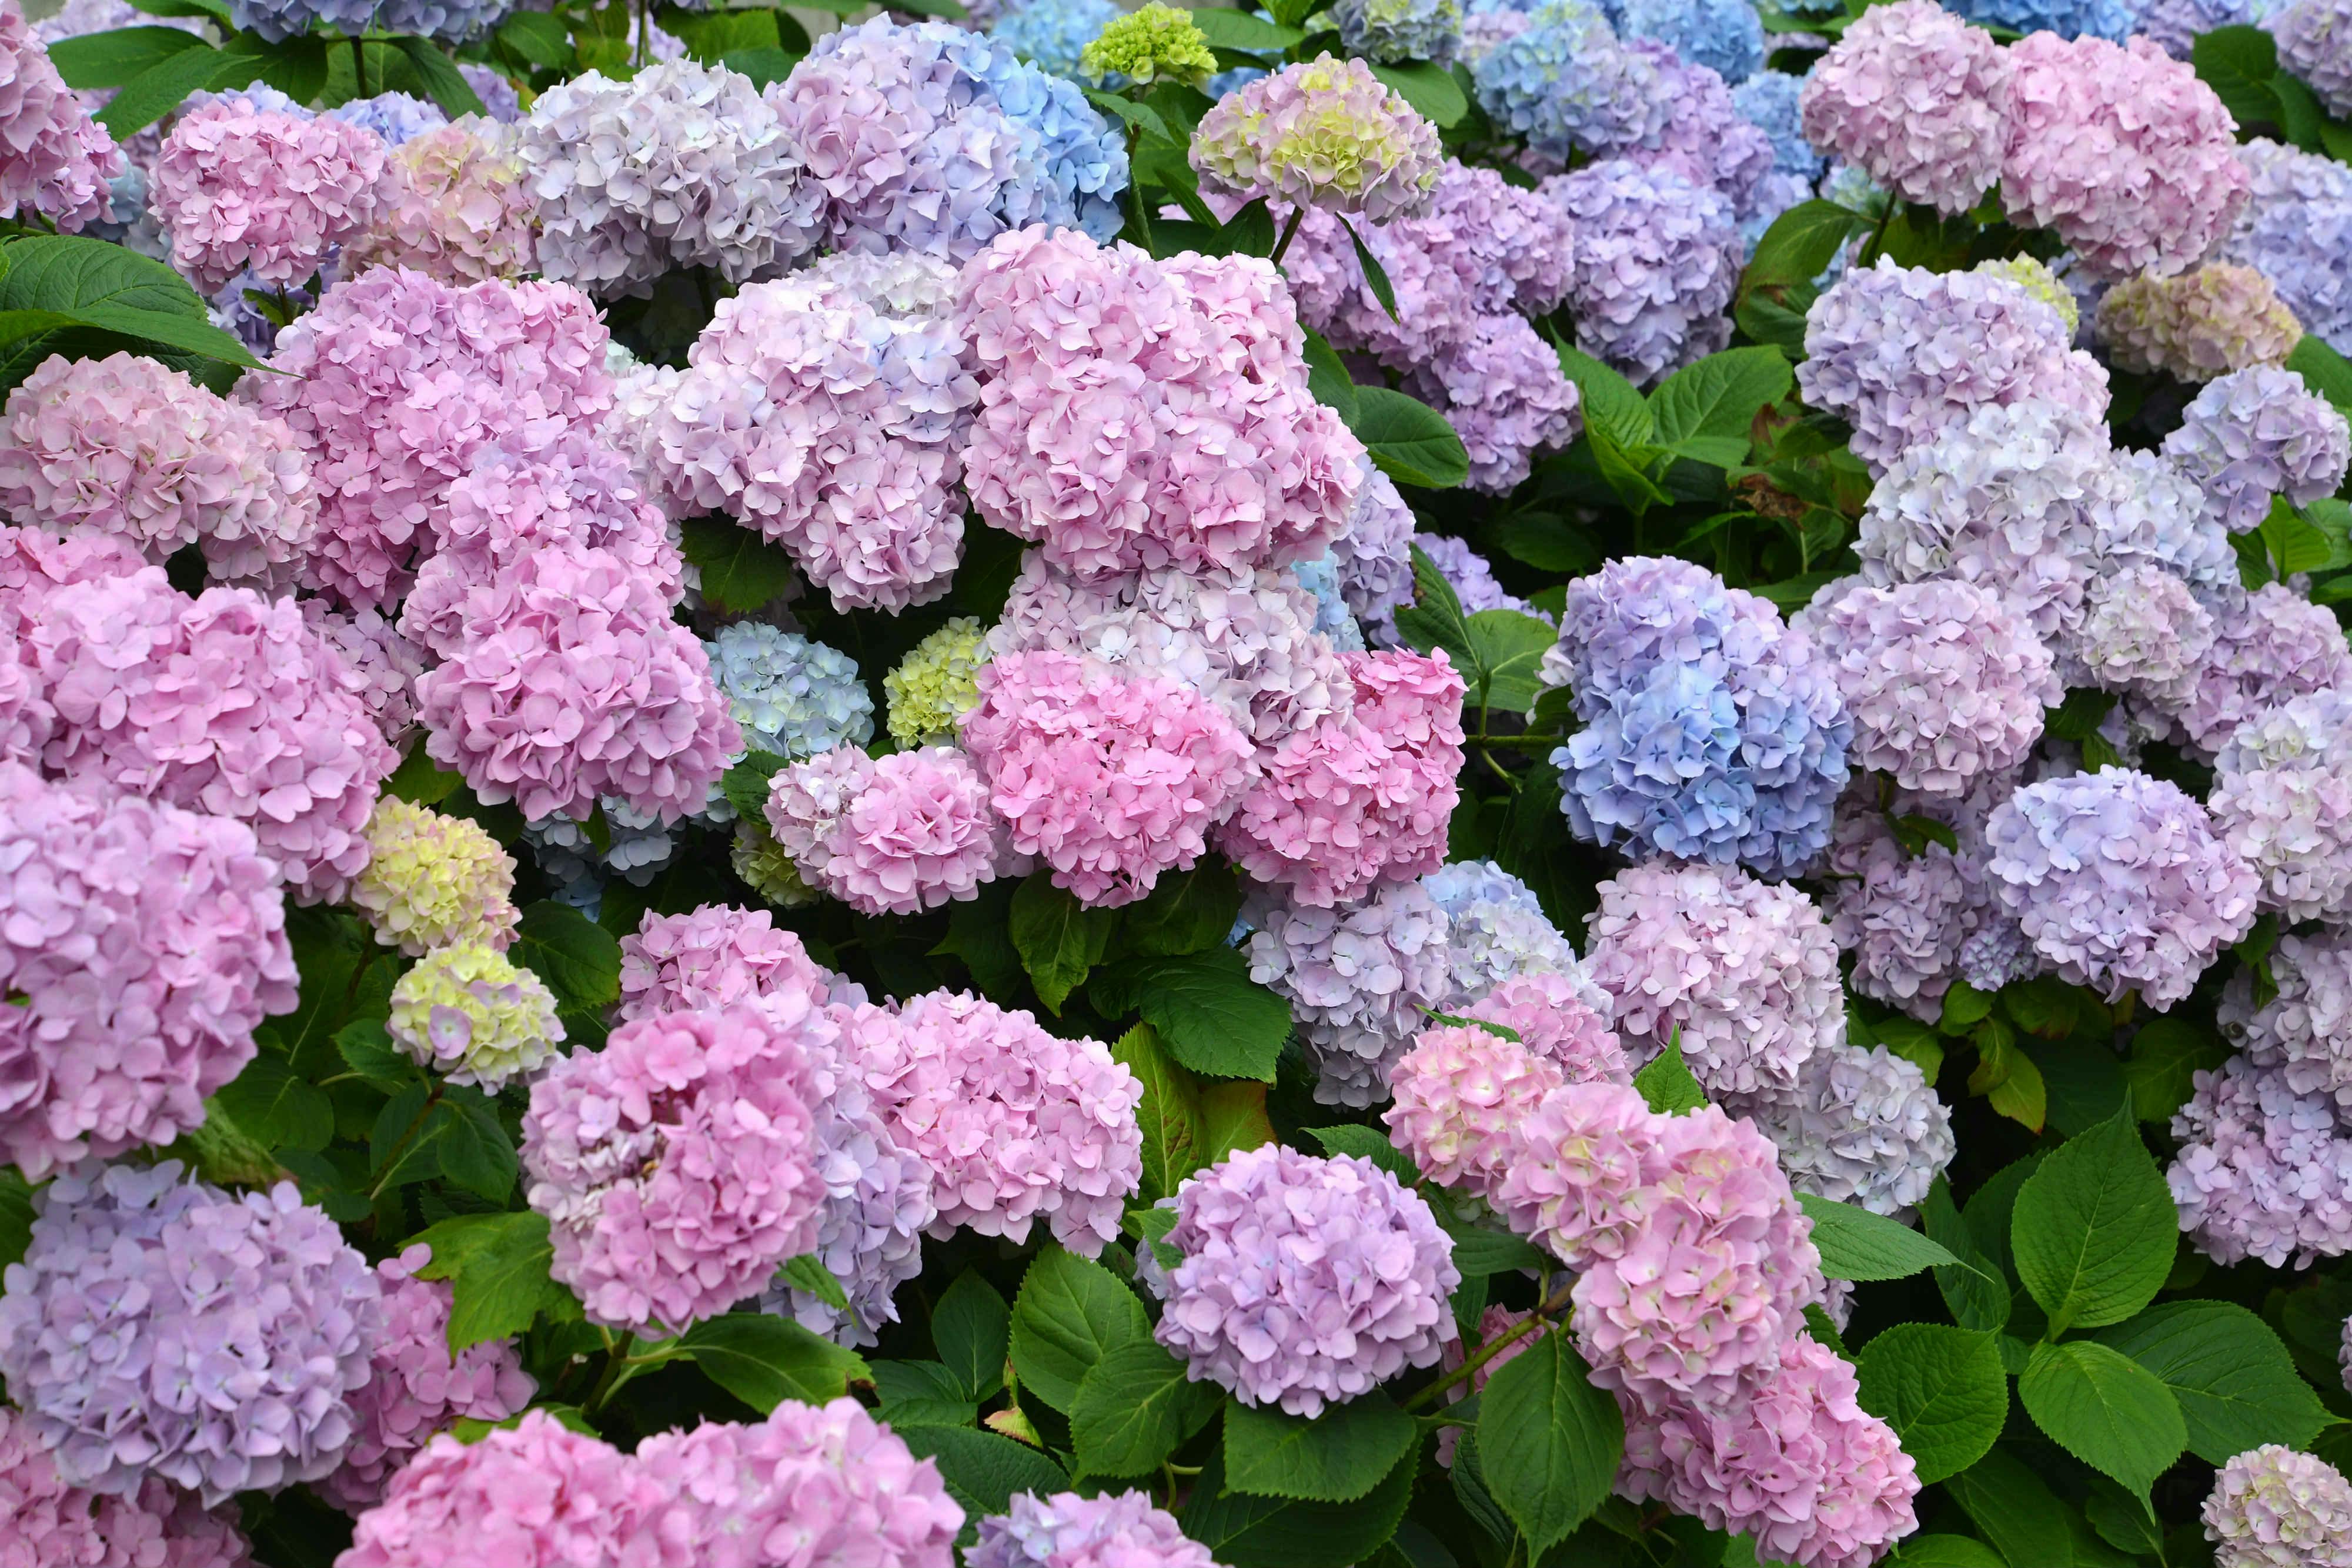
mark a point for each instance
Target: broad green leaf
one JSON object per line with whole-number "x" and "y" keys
{"x": 1245, "y": 1531}
{"x": 2095, "y": 1228}
{"x": 1435, "y": 619}
{"x": 165, "y": 84}
{"x": 1856, "y": 1244}
{"x": 983, "y": 1470}
{"x": 2014, "y": 1508}
{"x": 1965, "y": 1006}
{"x": 1151, "y": 1227}
{"x": 1058, "y": 938}
{"x": 1479, "y": 1252}
{"x": 1608, "y": 399}
{"x": 1327, "y": 378}
{"x": 1719, "y": 396}
{"x": 16, "y": 326}
{"x": 1552, "y": 1440}
{"x": 417, "y": 781}
{"x": 1376, "y": 278}
{"x": 216, "y": 9}
{"x": 1941, "y": 1389}
{"x": 577, "y": 960}
{"x": 1366, "y": 1144}
{"x": 2121, "y": 1520}
{"x": 474, "y": 1149}
{"x": 2238, "y": 63}
{"x": 1410, "y": 441}
{"x": 1070, "y": 1314}
{"x": 808, "y": 1273}
{"x": 1211, "y": 1017}
{"x": 277, "y": 1107}
{"x": 1230, "y": 29}
{"x": 1974, "y": 1288}
{"x": 444, "y": 83}
{"x": 1133, "y": 1407}
{"x": 1799, "y": 244}
{"x": 1507, "y": 646}
{"x": 1430, "y": 89}
{"x": 1140, "y": 117}
{"x": 16, "y": 1215}
{"x": 977, "y": 933}
{"x": 1338, "y": 1456}
{"x": 2105, "y": 1409}
{"x": 764, "y": 1360}
{"x": 712, "y": 36}
{"x": 116, "y": 290}
{"x": 898, "y": 1381}
{"x": 400, "y": 1146}
{"x": 1185, "y": 912}
{"x": 746, "y": 785}
{"x": 2324, "y": 371}
{"x": 2082, "y": 1083}
{"x": 1169, "y": 1114}
{"x": 2009, "y": 1078}
{"x": 741, "y": 570}
{"x": 1470, "y": 1490}
{"x": 2233, "y": 1378}
{"x": 539, "y": 37}
{"x": 1666, "y": 1084}
{"x": 972, "y": 1329}
{"x": 497, "y": 1267}
{"x": 2296, "y": 546}
{"x": 1233, "y": 1118}
{"x": 109, "y": 59}
{"x": 1546, "y": 542}
{"x": 1944, "y": 1551}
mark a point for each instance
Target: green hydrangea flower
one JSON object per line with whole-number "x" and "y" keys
{"x": 469, "y": 1014}
{"x": 433, "y": 880}
{"x": 1157, "y": 42}
{"x": 2036, "y": 278}
{"x": 936, "y": 685}
{"x": 763, "y": 867}
{"x": 1327, "y": 133}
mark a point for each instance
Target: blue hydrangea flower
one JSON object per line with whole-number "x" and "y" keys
{"x": 1049, "y": 34}
{"x": 1726, "y": 35}
{"x": 395, "y": 116}
{"x": 1320, "y": 577}
{"x": 2297, "y": 232}
{"x": 791, "y": 697}
{"x": 1396, "y": 31}
{"x": 1768, "y": 100}
{"x": 278, "y": 20}
{"x": 2114, "y": 20}
{"x": 1564, "y": 83}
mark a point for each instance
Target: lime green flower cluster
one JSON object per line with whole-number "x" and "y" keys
{"x": 764, "y": 868}
{"x": 1157, "y": 42}
{"x": 469, "y": 1014}
{"x": 936, "y": 685}
{"x": 1327, "y": 134}
{"x": 2036, "y": 278}
{"x": 431, "y": 880}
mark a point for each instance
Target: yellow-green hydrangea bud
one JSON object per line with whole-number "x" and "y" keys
{"x": 1157, "y": 43}
{"x": 2036, "y": 278}
{"x": 763, "y": 867}
{"x": 431, "y": 880}
{"x": 472, "y": 1016}
{"x": 936, "y": 685}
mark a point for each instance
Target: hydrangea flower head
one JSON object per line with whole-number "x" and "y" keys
{"x": 716, "y": 958}
{"x": 2282, "y": 799}
{"x": 1556, "y": 74}
{"x": 1327, "y": 133}
{"x": 1575, "y": 1185}
{"x": 163, "y": 1328}
{"x": 456, "y": 207}
{"x": 936, "y": 684}
{"x": 57, "y": 162}
{"x": 2269, "y": 646}
{"x": 1906, "y": 917}
{"x": 910, "y": 831}
{"x": 433, "y": 881}
{"x": 1112, "y": 1530}
{"x": 54, "y": 1522}
{"x": 2293, "y": 230}
{"x": 762, "y": 865}
{"x": 1053, "y": 35}
{"x": 1151, "y": 43}
{"x": 674, "y": 1165}
{"x": 1461, "y": 1095}
{"x": 466, "y": 1011}
{"x": 219, "y": 186}
{"x": 1771, "y": 101}
{"x": 1656, "y": 258}
{"x": 2261, "y": 1170}
{"x": 2314, "y": 43}
{"x": 2197, "y": 325}
{"x": 1863, "y": 1128}
{"x": 2273, "y": 1508}
{"x": 2253, "y": 433}
{"x": 1726, "y": 36}
{"x": 1304, "y": 1281}
{"x": 2300, "y": 1031}
{"x": 396, "y": 117}
{"x": 1561, "y": 1017}
{"x": 1360, "y": 980}
{"x": 1917, "y": 99}
{"x": 791, "y": 697}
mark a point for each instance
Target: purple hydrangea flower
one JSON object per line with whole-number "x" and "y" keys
{"x": 1863, "y": 1128}
{"x": 1656, "y": 257}
{"x": 2258, "y": 432}
{"x": 1112, "y": 1530}
{"x": 2304, "y": 1030}
{"x": 1358, "y": 977}
{"x": 2282, "y": 799}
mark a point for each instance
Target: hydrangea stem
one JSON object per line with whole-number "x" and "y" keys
{"x": 1493, "y": 1347}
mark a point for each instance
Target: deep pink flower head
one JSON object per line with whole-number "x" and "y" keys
{"x": 54, "y": 159}
{"x": 226, "y": 704}
{"x": 570, "y": 681}
{"x": 538, "y": 1495}
{"x": 717, "y": 957}
{"x": 125, "y": 445}
{"x": 2268, "y": 647}
{"x": 1111, "y": 1529}
{"x": 1917, "y": 99}
{"x": 907, "y": 832}
{"x": 51, "y": 1524}
{"x": 1559, "y": 1017}
{"x": 1304, "y": 1281}
{"x": 815, "y": 1486}
{"x": 415, "y": 1387}
{"x": 1357, "y": 801}
{"x": 240, "y": 188}
{"x": 1109, "y": 777}
{"x": 1460, "y": 1096}
{"x": 397, "y": 380}
{"x": 1794, "y": 1461}
{"x": 2122, "y": 150}
{"x": 1017, "y": 1124}
{"x": 1139, "y": 413}
{"x": 674, "y": 1165}
{"x": 142, "y": 945}
{"x": 34, "y": 561}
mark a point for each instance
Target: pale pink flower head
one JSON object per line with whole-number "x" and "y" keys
{"x": 718, "y": 956}
{"x": 910, "y": 831}
{"x": 245, "y": 189}
{"x": 1560, "y": 1016}
{"x": 1917, "y": 99}
{"x": 1573, "y": 1185}
{"x": 454, "y": 206}
{"x": 2273, "y": 1507}
{"x": 1111, "y": 1529}
{"x": 2268, "y": 647}
{"x": 55, "y": 160}
{"x": 51, "y": 1523}
{"x": 1460, "y": 1096}
{"x": 1326, "y": 133}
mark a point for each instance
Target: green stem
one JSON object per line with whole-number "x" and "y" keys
{"x": 1526, "y": 740}
{"x": 1869, "y": 252}
{"x": 1493, "y": 1347}
{"x": 1282, "y": 245}
{"x": 359, "y": 65}
{"x": 617, "y": 1360}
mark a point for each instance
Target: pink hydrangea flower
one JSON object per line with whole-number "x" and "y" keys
{"x": 1917, "y": 99}
{"x": 1111, "y": 1529}
{"x": 1556, "y": 1017}
{"x": 674, "y": 1165}
{"x": 385, "y": 663}
{"x": 2282, "y": 799}
{"x": 53, "y": 160}
{"x": 454, "y": 207}
{"x": 718, "y": 956}
{"x": 908, "y": 833}
{"x": 1572, "y": 1187}
{"x": 51, "y": 1524}
{"x": 1460, "y": 1097}
{"x": 1017, "y": 1124}
{"x": 1109, "y": 777}
{"x": 2268, "y": 647}
{"x": 240, "y": 188}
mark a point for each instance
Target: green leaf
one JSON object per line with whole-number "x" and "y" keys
{"x": 1666, "y": 1084}
{"x": 539, "y": 37}
{"x": 1151, "y": 1225}
{"x": 116, "y": 290}
{"x": 1944, "y": 1551}
{"x": 765, "y": 65}
{"x": 1799, "y": 244}
{"x": 2322, "y": 369}
{"x": 896, "y": 1382}
{"x": 1376, "y": 278}
{"x": 1185, "y": 912}
{"x": 1349, "y": 1139}
{"x": 577, "y": 960}
{"x": 1070, "y": 1314}
{"x": 1548, "y": 543}
{"x": 277, "y": 1107}
{"x": 444, "y": 83}
{"x": 1434, "y": 619}
{"x": 1170, "y": 1113}
{"x": 417, "y": 781}
{"x": 741, "y": 570}
{"x": 475, "y": 1150}
{"x": 2234, "y": 1380}
{"x": 1133, "y": 1407}
{"x": 1856, "y": 1244}
{"x": 1210, "y": 1015}
{"x": 746, "y": 785}
{"x": 1233, "y": 1118}
{"x": 1243, "y": 1531}
{"x": 972, "y": 1328}
{"x": 2295, "y": 545}
{"x": 401, "y": 1144}
{"x": 165, "y": 84}
{"x": 983, "y": 1470}
{"x": 712, "y": 36}
{"x": 1058, "y": 938}
{"x": 497, "y": 1267}
{"x": 764, "y": 1360}
{"x": 1479, "y": 1253}
{"x": 1230, "y": 29}
{"x": 1327, "y": 378}
{"x": 109, "y": 59}
{"x": 1552, "y": 1440}
{"x": 1507, "y": 646}
{"x": 216, "y": 9}
{"x": 808, "y": 1273}
{"x": 1941, "y": 1389}
{"x": 2121, "y": 1520}
{"x": 1430, "y": 89}
{"x": 1719, "y": 397}
{"x": 1338, "y": 1456}
{"x": 2238, "y": 63}
{"x": 1974, "y": 1289}
{"x": 2105, "y": 1409}
{"x": 1141, "y": 117}
{"x": 2095, "y": 1228}
{"x": 2006, "y": 1077}
{"x": 1608, "y": 399}
{"x": 2012, "y": 1508}
{"x": 1410, "y": 441}
{"x": 16, "y": 1215}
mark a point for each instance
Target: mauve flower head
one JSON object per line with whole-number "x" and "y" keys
{"x": 456, "y": 207}
{"x": 55, "y": 160}
{"x": 570, "y": 682}
{"x": 791, "y": 697}
{"x": 1555, "y": 75}
{"x": 2145, "y": 510}
{"x": 1499, "y": 384}
{"x": 2258, "y": 432}
{"x": 2262, "y": 1172}
{"x": 396, "y": 383}
{"x": 1374, "y": 556}
{"x": 936, "y": 685}
{"x": 385, "y": 664}
{"x": 2295, "y": 230}
{"x": 471, "y": 1014}
{"x": 1304, "y": 1281}
{"x": 909, "y": 831}
{"x": 1326, "y": 133}
{"x": 1917, "y": 99}
{"x": 2282, "y": 799}
{"x": 1656, "y": 256}
{"x": 163, "y": 1328}
{"x": 929, "y": 138}
{"x": 1907, "y": 916}
{"x": 538, "y": 1495}
{"x": 1497, "y": 930}
{"x": 827, "y": 410}
{"x": 1726, "y": 36}
{"x": 140, "y": 945}
{"x": 2142, "y": 630}
{"x": 1361, "y": 978}
{"x": 719, "y": 957}
{"x": 1350, "y": 804}
{"x": 2273, "y": 1507}
{"x": 674, "y": 1165}
{"x": 1561, "y": 1017}
{"x": 431, "y": 880}
{"x": 1705, "y": 137}
{"x": 1461, "y": 1094}
{"x": 2269, "y": 646}
{"x": 1943, "y": 682}
{"x": 52, "y": 1524}
{"x": 222, "y": 187}
{"x": 1109, "y": 777}
{"x": 1053, "y": 35}
{"x": 1863, "y": 1128}
{"x": 826, "y": 1486}
{"x": 2301, "y": 1032}
{"x": 1016, "y": 1124}
{"x": 2195, "y": 325}
{"x": 1111, "y": 1530}
{"x": 1794, "y": 1461}
{"x": 125, "y": 445}
{"x": 2314, "y": 43}
{"x": 2122, "y": 151}
{"x": 2120, "y": 882}
{"x": 1904, "y": 353}
{"x": 1575, "y": 1183}
{"x": 415, "y": 1387}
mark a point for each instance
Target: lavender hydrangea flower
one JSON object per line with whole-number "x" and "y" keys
{"x": 1358, "y": 978}
{"x": 2297, "y": 229}
{"x": 791, "y": 697}
{"x": 1906, "y": 917}
{"x": 50, "y": 1522}
{"x": 2273, "y": 1507}
{"x": 2303, "y": 1031}
{"x": 2257, "y": 433}
{"x": 1555, "y": 75}
{"x": 1112, "y": 1530}
{"x": 1861, "y": 1127}
{"x": 2282, "y": 799}
{"x": 2262, "y": 1172}
{"x": 1472, "y": 579}
{"x": 2314, "y": 43}
{"x": 1496, "y": 931}
{"x": 1656, "y": 257}
{"x": 162, "y": 1327}
{"x": 396, "y": 117}
{"x": 1375, "y": 555}
{"x": 2269, "y": 646}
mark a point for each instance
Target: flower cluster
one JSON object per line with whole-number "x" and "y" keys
{"x": 219, "y": 186}
{"x": 433, "y": 881}
{"x": 2268, "y": 647}
{"x": 2197, "y": 325}
{"x": 470, "y": 1013}
{"x": 454, "y": 207}
{"x": 2257, "y": 433}
{"x": 1149, "y": 44}
{"x": 1657, "y": 259}
{"x": 2282, "y": 800}
{"x": 1863, "y": 1128}
{"x": 1909, "y": 913}
{"x": 936, "y": 684}
{"x": 51, "y": 1522}
{"x": 1327, "y": 134}
{"x": 1358, "y": 978}
{"x": 910, "y": 831}
{"x": 2300, "y": 1031}
{"x": 791, "y": 697}
{"x": 2297, "y": 230}
{"x": 1395, "y": 31}
{"x": 1915, "y": 99}
{"x": 1111, "y": 1530}
{"x": 1053, "y": 35}
{"x": 2263, "y": 1170}
{"x": 713, "y": 959}
{"x": 55, "y": 162}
